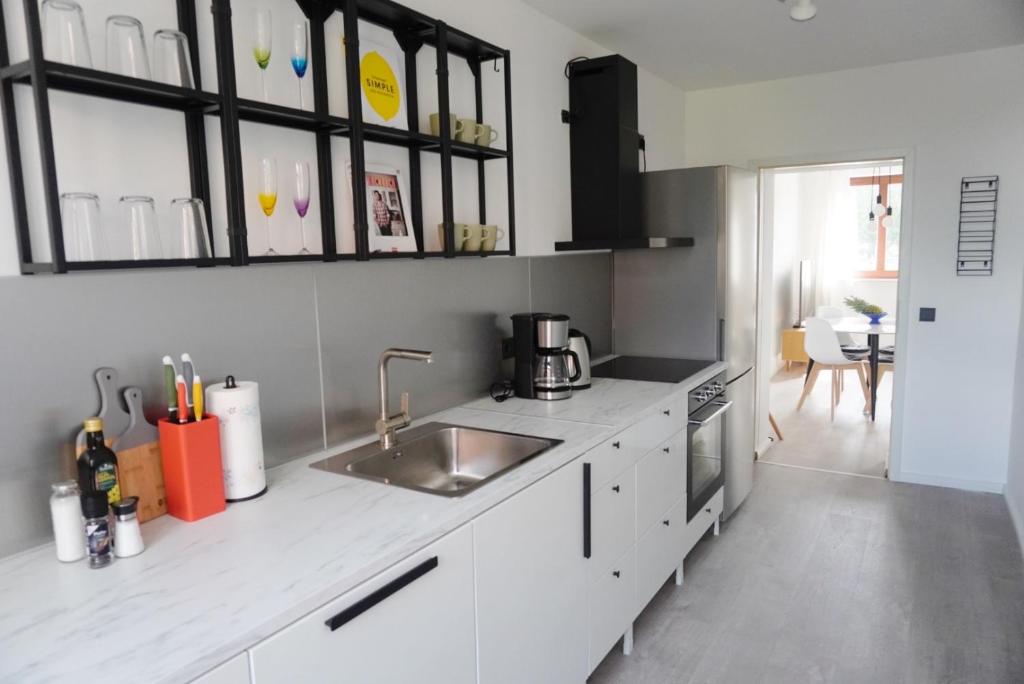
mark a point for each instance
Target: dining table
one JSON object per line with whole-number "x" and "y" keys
{"x": 860, "y": 325}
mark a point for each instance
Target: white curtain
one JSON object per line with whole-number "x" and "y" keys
{"x": 837, "y": 247}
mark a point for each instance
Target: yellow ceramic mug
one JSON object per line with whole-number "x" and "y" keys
{"x": 460, "y": 233}
{"x": 474, "y": 237}
{"x": 485, "y": 135}
{"x": 489, "y": 237}
{"x": 453, "y": 122}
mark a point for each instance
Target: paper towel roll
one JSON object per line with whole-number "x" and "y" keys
{"x": 237, "y": 408}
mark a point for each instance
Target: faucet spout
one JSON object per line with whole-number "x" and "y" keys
{"x": 387, "y": 424}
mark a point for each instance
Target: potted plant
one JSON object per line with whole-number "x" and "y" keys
{"x": 872, "y": 311}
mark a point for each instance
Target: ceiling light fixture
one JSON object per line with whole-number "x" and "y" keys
{"x": 803, "y": 10}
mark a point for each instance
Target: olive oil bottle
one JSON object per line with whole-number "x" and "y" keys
{"x": 97, "y": 465}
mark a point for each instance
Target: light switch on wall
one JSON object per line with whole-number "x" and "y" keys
{"x": 927, "y": 314}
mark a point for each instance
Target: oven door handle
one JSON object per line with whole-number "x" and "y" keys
{"x": 723, "y": 407}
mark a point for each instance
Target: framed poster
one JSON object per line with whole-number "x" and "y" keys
{"x": 382, "y": 84}
{"x": 387, "y": 216}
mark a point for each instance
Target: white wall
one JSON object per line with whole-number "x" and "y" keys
{"x": 1015, "y": 468}
{"x": 115, "y": 149}
{"x": 952, "y": 116}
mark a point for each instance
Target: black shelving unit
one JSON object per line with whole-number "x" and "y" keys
{"x": 412, "y": 31}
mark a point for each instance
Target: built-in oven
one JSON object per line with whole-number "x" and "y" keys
{"x": 708, "y": 409}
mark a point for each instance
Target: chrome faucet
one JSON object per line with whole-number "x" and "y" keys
{"x": 386, "y": 423}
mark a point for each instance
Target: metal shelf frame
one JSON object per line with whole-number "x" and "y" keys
{"x": 412, "y": 31}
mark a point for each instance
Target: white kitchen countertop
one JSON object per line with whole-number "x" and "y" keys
{"x": 205, "y": 591}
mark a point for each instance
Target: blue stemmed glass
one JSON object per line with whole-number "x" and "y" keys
{"x": 300, "y": 54}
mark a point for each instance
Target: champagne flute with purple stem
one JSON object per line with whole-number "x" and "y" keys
{"x": 301, "y": 199}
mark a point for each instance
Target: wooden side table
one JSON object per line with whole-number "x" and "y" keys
{"x": 793, "y": 347}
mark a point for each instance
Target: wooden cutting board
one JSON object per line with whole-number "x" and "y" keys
{"x": 138, "y": 460}
{"x": 115, "y": 419}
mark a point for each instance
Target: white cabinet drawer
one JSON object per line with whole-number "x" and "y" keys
{"x": 624, "y": 449}
{"x": 660, "y": 480}
{"x": 611, "y": 606}
{"x": 613, "y": 521}
{"x": 704, "y": 519}
{"x": 658, "y": 553}
{"x": 414, "y": 622}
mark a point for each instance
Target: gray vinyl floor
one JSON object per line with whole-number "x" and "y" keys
{"x": 822, "y": 577}
{"x": 855, "y": 443}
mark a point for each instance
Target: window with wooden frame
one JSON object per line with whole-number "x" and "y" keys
{"x": 878, "y": 238}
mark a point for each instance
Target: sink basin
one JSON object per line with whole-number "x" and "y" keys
{"x": 449, "y": 460}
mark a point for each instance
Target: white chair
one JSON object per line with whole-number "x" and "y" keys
{"x": 822, "y": 346}
{"x": 845, "y": 340}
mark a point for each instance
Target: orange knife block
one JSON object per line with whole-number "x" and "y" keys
{"x": 193, "y": 474}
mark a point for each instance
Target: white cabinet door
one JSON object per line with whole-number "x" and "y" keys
{"x": 613, "y": 512}
{"x": 234, "y": 671}
{"x": 612, "y": 606}
{"x": 659, "y": 552}
{"x": 412, "y": 623}
{"x": 660, "y": 481}
{"x": 531, "y": 584}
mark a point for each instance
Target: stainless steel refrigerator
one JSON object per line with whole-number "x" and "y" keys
{"x": 700, "y": 301}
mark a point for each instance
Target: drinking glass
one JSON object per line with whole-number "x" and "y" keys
{"x": 126, "y": 47}
{"x": 138, "y": 222}
{"x": 267, "y": 194}
{"x": 83, "y": 234}
{"x": 301, "y": 199}
{"x": 261, "y": 45}
{"x": 191, "y": 239}
{"x": 64, "y": 36}
{"x": 171, "y": 61}
{"x": 300, "y": 54}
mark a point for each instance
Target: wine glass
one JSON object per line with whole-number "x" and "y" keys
{"x": 300, "y": 54}
{"x": 261, "y": 44}
{"x": 301, "y": 199}
{"x": 171, "y": 61}
{"x": 126, "y": 47}
{"x": 191, "y": 239}
{"x": 83, "y": 234}
{"x": 64, "y": 36}
{"x": 268, "y": 195}
{"x": 138, "y": 221}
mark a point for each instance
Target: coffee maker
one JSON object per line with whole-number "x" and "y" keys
{"x": 545, "y": 367}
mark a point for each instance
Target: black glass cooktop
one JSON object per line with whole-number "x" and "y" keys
{"x": 649, "y": 368}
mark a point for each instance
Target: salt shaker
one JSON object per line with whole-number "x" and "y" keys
{"x": 127, "y": 534}
{"x": 97, "y": 529}
{"x": 66, "y": 512}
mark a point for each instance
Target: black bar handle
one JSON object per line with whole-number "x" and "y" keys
{"x": 617, "y": 445}
{"x": 370, "y": 600}
{"x": 616, "y": 488}
{"x": 667, "y": 412}
{"x": 586, "y": 510}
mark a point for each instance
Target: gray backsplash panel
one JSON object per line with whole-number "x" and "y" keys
{"x": 257, "y": 323}
{"x": 459, "y": 309}
{"x": 260, "y": 323}
{"x": 580, "y": 286}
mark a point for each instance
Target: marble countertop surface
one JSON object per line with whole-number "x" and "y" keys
{"x": 205, "y": 591}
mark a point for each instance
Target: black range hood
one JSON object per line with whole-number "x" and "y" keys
{"x": 604, "y": 152}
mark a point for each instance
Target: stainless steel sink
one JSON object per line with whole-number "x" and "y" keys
{"x": 449, "y": 460}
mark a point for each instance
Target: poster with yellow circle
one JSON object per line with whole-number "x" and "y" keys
{"x": 381, "y": 86}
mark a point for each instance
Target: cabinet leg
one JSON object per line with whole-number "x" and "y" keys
{"x": 627, "y": 641}
{"x": 717, "y": 524}
{"x": 679, "y": 575}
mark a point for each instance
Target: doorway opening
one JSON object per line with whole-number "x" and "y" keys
{"x": 830, "y": 259}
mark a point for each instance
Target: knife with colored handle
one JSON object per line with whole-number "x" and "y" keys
{"x": 170, "y": 390}
{"x": 188, "y": 370}
{"x": 197, "y": 397}
{"x": 182, "y": 400}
